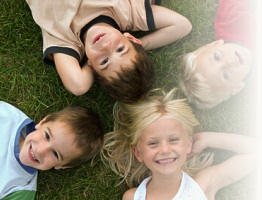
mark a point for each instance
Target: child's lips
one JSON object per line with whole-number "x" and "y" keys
{"x": 98, "y": 37}
{"x": 31, "y": 154}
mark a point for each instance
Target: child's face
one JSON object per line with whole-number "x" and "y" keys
{"x": 163, "y": 146}
{"x": 52, "y": 144}
{"x": 108, "y": 49}
{"x": 224, "y": 65}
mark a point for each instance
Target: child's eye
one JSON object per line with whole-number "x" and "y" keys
{"x": 104, "y": 61}
{"x": 152, "y": 143}
{"x": 55, "y": 154}
{"x": 120, "y": 49}
{"x": 47, "y": 136}
{"x": 173, "y": 140}
{"x": 217, "y": 56}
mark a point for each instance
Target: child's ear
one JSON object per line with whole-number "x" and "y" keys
{"x": 137, "y": 154}
{"x": 217, "y": 42}
{"x": 132, "y": 38}
{"x": 41, "y": 122}
{"x": 239, "y": 87}
{"x": 190, "y": 143}
{"x": 89, "y": 63}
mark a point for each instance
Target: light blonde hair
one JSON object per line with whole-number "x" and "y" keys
{"x": 194, "y": 84}
{"x": 131, "y": 119}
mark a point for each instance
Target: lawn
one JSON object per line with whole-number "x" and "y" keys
{"x": 35, "y": 88}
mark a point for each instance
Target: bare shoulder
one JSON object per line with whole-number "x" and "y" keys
{"x": 129, "y": 194}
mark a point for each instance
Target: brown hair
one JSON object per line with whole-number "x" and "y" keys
{"x": 131, "y": 84}
{"x": 86, "y": 126}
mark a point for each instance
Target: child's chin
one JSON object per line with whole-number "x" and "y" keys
{"x": 24, "y": 161}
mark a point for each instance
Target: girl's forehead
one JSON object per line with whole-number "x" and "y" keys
{"x": 163, "y": 126}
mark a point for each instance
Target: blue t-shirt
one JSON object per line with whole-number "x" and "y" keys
{"x": 16, "y": 179}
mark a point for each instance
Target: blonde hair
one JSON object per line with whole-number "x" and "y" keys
{"x": 194, "y": 84}
{"x": 131, "y": 119}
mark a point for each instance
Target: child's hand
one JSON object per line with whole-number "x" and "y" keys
{"x": 198, "y": 143}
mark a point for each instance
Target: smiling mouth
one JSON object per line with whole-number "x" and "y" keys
{"x": 31, "y": 155}
{"x": 98, "y": 37}
{"x": 240, "y": 60}
{"x": 166, "y": 161}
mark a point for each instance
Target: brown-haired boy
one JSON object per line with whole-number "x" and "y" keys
{"x": 62, "y": 139}
{"x": 73, "y": 30}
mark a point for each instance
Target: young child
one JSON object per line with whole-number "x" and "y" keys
{"x": 152, "y": 142}
{"x": 215, "y": 72}
{"x": 61, "y": 140}
{"x": 74, "y": 29}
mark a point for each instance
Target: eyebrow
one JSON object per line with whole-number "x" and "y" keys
{"x": 170, "y": 135}
{"x": 52, "y": 136}
{"x": 125, "y": 52}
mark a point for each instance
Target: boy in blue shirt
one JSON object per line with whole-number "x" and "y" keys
{"x": 61, "y": 140}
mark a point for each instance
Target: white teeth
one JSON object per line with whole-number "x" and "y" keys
{"x": 32, "y": 153}
{"x": 165, "y": 161}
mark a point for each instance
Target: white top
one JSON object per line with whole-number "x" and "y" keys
{"x": 189, "y": 190}
{"x": 14, "y": 176}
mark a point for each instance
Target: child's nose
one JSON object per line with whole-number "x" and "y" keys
{"x": 165, "y": 148}
{"x": 232, "y": 59}
{"x": 42, "y": 148}
{"x": 106, "y": 46}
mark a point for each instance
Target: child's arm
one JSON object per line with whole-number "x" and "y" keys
{"x": 170, "y": 26}
{"x": 227, "y": 141}
{"x": 218, "y": 176}
{"x": 75, "y": 79}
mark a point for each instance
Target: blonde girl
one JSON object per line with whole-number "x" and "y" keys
{"x": 151, "y": 145}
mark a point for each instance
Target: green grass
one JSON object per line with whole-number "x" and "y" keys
{"x": 27, "y": 83}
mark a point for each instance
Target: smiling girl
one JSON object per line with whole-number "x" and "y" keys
{"x": 153, "y": 145}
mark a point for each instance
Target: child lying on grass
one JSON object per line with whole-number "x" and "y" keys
{"x": 73, "y": 30}
{"x": 61, "y": 140}
{"x": 153, "y": 141}
{"x": 217, "y": 71}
